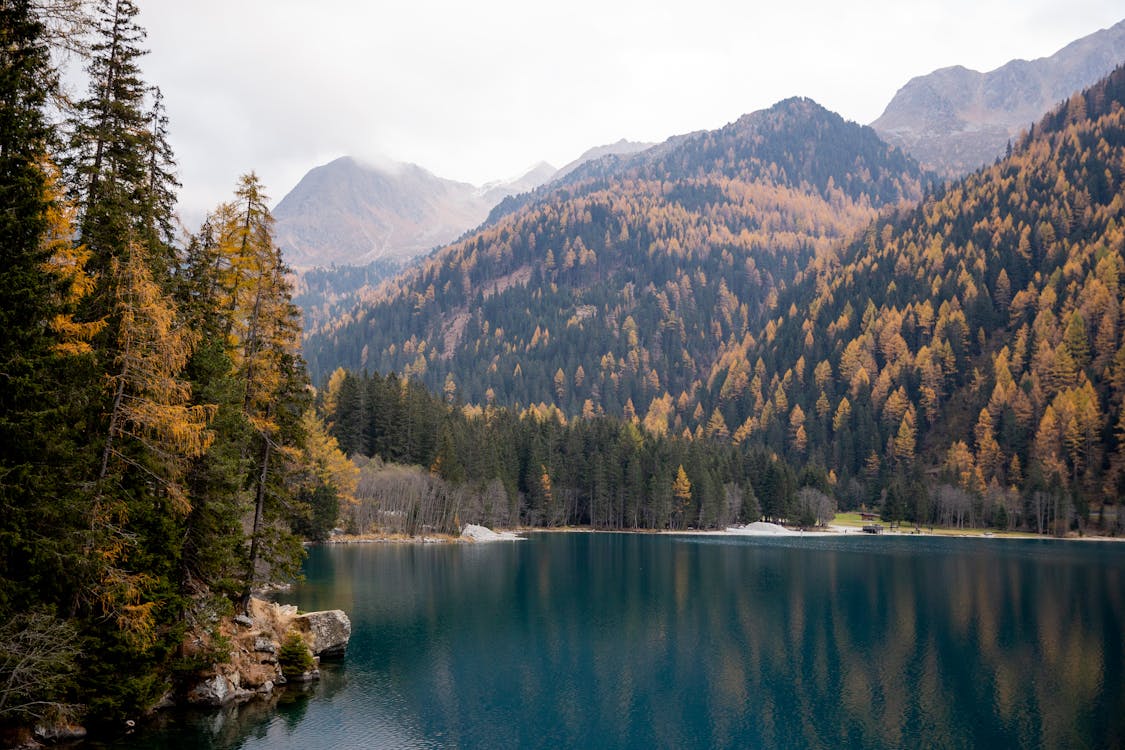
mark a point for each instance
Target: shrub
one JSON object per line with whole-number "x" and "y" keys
{"x": 294, "y": 657}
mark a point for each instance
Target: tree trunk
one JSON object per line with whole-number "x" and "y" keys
{"x": 259, "y": 505}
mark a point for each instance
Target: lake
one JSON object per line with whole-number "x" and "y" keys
{"x": 657, "y": 641}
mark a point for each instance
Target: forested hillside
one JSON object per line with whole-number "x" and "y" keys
{"x": 977, "y": 337}
{"x": 323, "y": 294}
{"x": 437, "y": 466}
{"x": 158, "y": 452}
{"x": 620, "y": 290}
{"x": 960, "y": 360}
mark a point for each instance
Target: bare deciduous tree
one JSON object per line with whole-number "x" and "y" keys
{"x": 37, "y": 658}
{"x": 814, "y": 507}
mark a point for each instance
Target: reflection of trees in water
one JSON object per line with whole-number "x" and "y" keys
{"x": 270, "y": 717}
{"x": 781, "y": 644}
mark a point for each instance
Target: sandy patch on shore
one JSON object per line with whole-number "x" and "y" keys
{"x": 761, "y": 528}
{"x": 474, "y": 533}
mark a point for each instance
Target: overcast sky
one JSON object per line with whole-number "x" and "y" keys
{"x": 479, "y": 90}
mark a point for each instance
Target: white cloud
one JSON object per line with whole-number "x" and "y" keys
{"x": 473, "y": 91}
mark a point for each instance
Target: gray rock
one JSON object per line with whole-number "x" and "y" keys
{"x": 244, "y": 621}
{"x": 241, "y": 695}
{"x": 214, "y": 691}
{"x": 309, "y": 676}
{"x": 168, "y": 700}
{"x": 956, "y": 119}
{"x": 52, "y": 733}
{"x": 264, "y": 645}
{"x": 327, "y": 632}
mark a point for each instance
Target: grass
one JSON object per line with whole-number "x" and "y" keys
{"x": 853, "y": 520}
{"x": 849, "y": 519}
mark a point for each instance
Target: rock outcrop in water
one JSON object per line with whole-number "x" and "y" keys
{"x": 254, "y": 668}
{"x": 326, "y": 633}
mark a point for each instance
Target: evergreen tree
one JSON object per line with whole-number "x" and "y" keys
{"x": 37, "y": 502}
{"x": 28, "y": 296}
{"x": 110, "y": 140}
{"x": 262, "y": 328}
{"x": 159, "y": 189}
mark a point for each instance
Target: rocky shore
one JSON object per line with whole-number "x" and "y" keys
{"x": 256, "y": 666}
{"x": 250, "y": 656}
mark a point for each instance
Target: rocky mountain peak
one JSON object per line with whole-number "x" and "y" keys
{"x": 955, "y": 120}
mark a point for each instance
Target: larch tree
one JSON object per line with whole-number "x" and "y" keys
{"x": 681, "y": 493}
{"x": 262, "y": 332}
{"x": 151, "y": 403}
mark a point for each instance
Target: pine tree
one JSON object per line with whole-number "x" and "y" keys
{"x": 110, "y": 139}
{"x": 158, "y": 198}
{"x": 33, "y": 529}
{"x": 213, "y": 542}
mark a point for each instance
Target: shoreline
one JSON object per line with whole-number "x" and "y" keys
{"x": 830, "y": 531}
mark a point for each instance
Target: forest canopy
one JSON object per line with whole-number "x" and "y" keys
{"x": 159, "y": 449}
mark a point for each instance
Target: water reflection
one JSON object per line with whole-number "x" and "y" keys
{"x": 589, "y": 640}
{"x": 601, "y": 640}
{"x": 273, "y": 717}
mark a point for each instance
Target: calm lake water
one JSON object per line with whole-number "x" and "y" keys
{"x": 654, "y": 641}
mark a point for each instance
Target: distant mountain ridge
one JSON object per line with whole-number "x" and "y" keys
{"x": 622, "y": 148}
{"x": 955, "y": 120}
{"x": 623, "y": 283}
{"x": 350, "y": 212}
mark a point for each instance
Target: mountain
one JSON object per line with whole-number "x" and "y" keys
{"x": 620, "y": 148}
{"x": 955, "y": 120}
{"x": 959, "y": 357}
{"x": 622, "y": 285}
{"x": 350, "y": 212}
{"x": 600, "y": 160}
{"x": 540, "y": 174}
{"x": 976, "y": 340}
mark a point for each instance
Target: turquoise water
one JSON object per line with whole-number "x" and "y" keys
{"x": 654, "y": 641}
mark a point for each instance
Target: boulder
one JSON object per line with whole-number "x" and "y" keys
{"x": 213, "y": 691}
{"x": 327, "y": 632}
{"x": 168, "y": 700}
{"x": 220, "y": 689}
{"x": 264, "y": 645}
{"x": 58, "y": 733}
